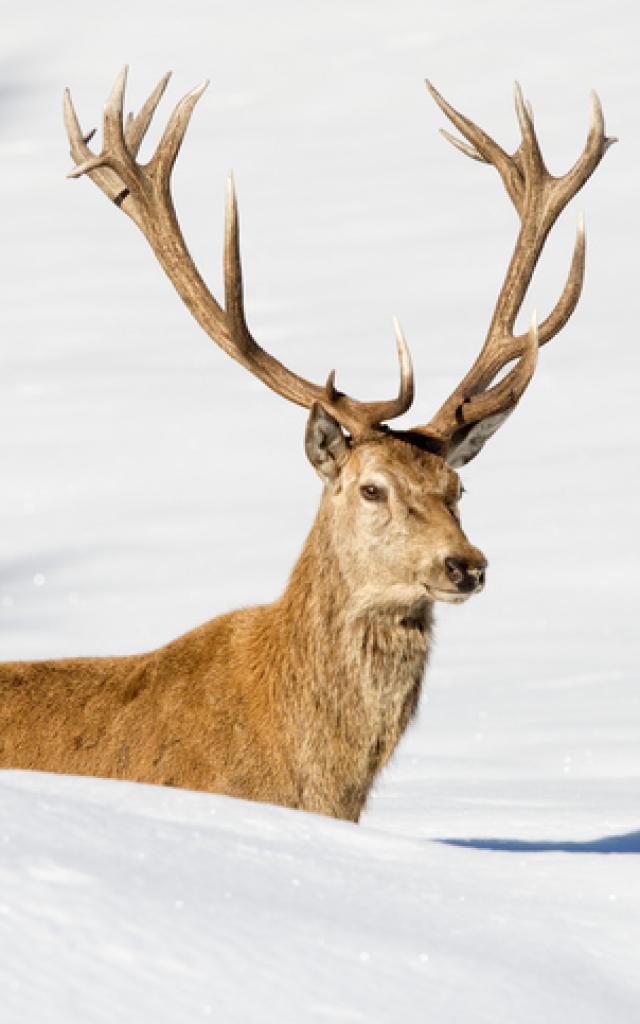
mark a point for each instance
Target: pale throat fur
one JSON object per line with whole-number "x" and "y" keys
{"x": 357, "y": 615}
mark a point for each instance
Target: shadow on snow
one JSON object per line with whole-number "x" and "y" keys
{"x": 627, "y": 843}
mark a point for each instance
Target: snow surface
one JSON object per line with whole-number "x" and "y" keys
{"x": 149, "y": 484}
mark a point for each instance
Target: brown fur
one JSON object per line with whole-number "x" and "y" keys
{"x": 300, "y": 702}
{"x": 303, "y": 701}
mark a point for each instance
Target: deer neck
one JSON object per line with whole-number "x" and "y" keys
{"x": 355, "y": 667}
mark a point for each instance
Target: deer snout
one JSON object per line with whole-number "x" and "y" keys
{"x": 467, "y": 574}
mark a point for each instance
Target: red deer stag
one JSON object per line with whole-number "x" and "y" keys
{"x": 302, "y": 702}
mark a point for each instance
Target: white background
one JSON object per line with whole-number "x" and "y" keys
{"x": 149, "y": 483}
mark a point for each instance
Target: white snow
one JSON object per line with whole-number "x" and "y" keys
{"x": 148, "y": 484}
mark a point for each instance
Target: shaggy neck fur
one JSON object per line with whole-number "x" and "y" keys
{"x": 362, "y": 668}
{"x": 298, "y": 703}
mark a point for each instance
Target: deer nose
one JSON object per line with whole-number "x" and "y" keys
{"x": 465, "y": 575}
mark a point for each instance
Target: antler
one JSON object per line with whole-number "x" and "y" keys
{"x": 143, "y": 192}
{"x": 474, "y": 411}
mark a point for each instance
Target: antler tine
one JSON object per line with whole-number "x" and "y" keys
{"x": 112, "y": 125}
{"x": 483, "y": 143}
{"x": 529, "y": 149}
{"x": 238, "y": 341}
{"x": 355, "y": 416}
{"x": 406, "y": 390}
{"x": 506, "y": 393}
{"x": 92, "y": 163}
{"x": 138, "y": 124}
{"x": 558, "y": 316}
{"x": 464, "y": 147}
{"x": 571, "y": 292}
{"x": 169, "y": 146}
{"x": 485, "y": 412}
{"x": 596, "y": 146}
{"x": 233, "y": 287}
{"x": 462, "y": 423}
{"x": 75, "y": 134}
{"x": 487, "y": 148}
{"x": 80, "y": 151}
{"x": 524, "y": 119}
{"x": 374, "y": 413}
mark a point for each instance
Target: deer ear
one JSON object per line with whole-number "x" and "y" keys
{"x": 326, "y": 446}
{"x": 469, "y": 440}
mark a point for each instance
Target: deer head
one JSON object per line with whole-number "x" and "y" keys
{"x": 393, "y": 494}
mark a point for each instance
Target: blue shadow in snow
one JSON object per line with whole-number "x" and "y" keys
{"x": 628, "y": 843}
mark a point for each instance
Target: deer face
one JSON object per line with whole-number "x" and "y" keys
{"x": 394, "y": 513}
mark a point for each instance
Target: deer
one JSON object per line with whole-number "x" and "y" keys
{"x": 303, "y": 701}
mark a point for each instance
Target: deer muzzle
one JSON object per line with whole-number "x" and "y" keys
{"x": 466, "y": 574}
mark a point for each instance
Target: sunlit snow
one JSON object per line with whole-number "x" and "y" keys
{"x": 149, "y": 483}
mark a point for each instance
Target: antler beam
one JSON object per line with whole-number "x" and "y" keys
{"x": 474, "y": 410}
{"x": 143, "y": 192}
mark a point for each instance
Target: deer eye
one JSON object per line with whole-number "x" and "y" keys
{"x": 371, "y": 492}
